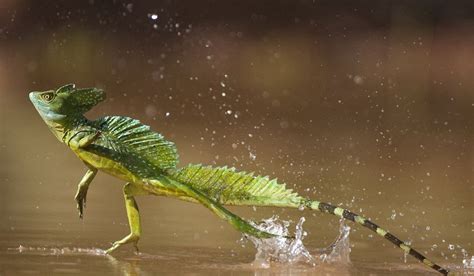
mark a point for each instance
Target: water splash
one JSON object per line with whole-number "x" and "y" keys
{"x": 60, "y": 251}
{"x": 279, "y": 248}
{"x": 283, "y": 250}
{"x": 468, "y": 263}
{"x": 339, "y": 251}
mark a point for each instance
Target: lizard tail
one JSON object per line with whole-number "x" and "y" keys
{"x": 346, "y": 214}
{"x": 226, "y": 186}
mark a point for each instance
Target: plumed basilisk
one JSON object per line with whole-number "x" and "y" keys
{"x": 147, "y": 162}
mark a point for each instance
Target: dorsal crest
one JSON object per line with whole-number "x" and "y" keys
{"x": 127, "y": 134}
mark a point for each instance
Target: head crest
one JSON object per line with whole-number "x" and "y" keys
{"x": 66, "y": 100}
{"x": 80, "y": 100}
{"x": 66, "y": 88}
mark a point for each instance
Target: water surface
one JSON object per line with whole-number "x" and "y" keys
{"x": 363, "y": 104}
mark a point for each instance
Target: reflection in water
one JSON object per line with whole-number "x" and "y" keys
{"x": 126, "y": 268}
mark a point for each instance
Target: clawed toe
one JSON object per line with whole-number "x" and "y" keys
{"x": 128, "y": 239}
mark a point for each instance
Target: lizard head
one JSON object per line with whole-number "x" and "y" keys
{"x": 55, "y": 105}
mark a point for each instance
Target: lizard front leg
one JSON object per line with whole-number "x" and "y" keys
{"x": 83, "y": 138}
{"x": 82, "y": 188}
{"x": 133, "y": 214}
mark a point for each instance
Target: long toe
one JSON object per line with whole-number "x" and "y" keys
{"x": 114, "y": 247}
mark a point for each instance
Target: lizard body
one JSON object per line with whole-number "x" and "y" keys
{"x": 130, "y": 151}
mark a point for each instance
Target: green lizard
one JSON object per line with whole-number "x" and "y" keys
{"x": 129, "y": 150}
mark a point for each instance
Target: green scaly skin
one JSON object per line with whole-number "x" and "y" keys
{"x": 128, "y": 150}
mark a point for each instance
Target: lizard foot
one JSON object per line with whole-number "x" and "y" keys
{"x": 81, "y": 201}
{"x": 131, "y": 238}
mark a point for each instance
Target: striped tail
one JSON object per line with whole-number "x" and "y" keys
{"x": 346, "y": 214}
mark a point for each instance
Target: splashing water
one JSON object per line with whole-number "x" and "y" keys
{"x": 279, "y": 248}
{"x": 283, "y": 250}
{"x": 61, "y": 251}
{"x": 468, "y": 263}
{"x": 339, "y": 251}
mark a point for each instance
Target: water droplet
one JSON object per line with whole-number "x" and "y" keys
{"x": 252, "y": 156}
{"x": 150, "y": 110}
{"x": 284, "y": 124}
{"x": 358, "y": 80}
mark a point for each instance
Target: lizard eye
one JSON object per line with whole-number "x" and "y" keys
{"x": 47, "y": 97}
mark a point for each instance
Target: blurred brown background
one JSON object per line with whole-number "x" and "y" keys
{"x": 368, "y": 104}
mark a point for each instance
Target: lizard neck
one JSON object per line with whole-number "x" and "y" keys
{"x": 61, "y": 127}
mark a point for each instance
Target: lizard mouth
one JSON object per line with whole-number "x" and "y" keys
{"x": 32, "y": 97}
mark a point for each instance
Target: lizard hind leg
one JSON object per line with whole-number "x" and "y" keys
{"x": 133, "y": 214}
{"x": 237, "y": 222}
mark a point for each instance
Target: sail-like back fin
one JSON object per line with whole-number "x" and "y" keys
{"x": 227, "y": 186}
{"x": 130, "y": 135}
